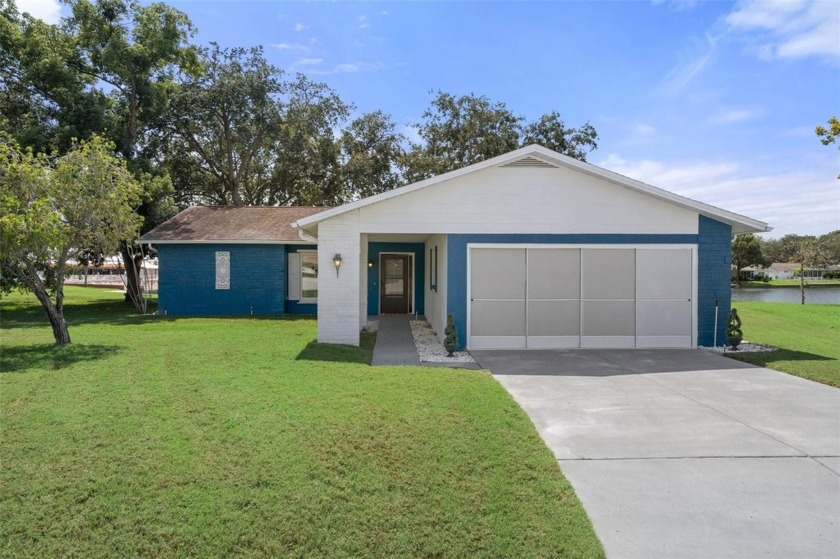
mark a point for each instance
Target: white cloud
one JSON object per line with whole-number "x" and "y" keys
{"x": 731, "y": 116}
{"x": 691, "y": 66}
{"x": 803, "y": 202}
{"x": 47, "y": 10}
{"x": 300, "y": 27}
{"x": 363, "y": 22}
{"x": 309, "y": 61}
{"x": 677, "y": 5}
{"x": 789, "y": 29}
{"x": 660, "y": 174}
{"x": 644, "y": 129}
{"x": 290, "y": 46}
{"x": 348, "y": 68}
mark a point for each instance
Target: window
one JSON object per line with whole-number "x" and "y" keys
{"x": 222, "y": 270}
{"x": 303, "y": 276}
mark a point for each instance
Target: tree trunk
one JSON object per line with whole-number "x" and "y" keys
{"x": 802, "y": 283}
{"x": 54, "y": 314}
{"x": 131, "y": 262}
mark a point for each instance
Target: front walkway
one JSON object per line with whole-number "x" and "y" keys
{"x": 682, "y": 453}
{"x": 395, "y": 346}
{"x": 394, "y": 342}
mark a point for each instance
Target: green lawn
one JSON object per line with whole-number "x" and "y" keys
{"x": 808, "y": 337}
{"x": 220, "y": 437}
{"x": 791, "y": 283}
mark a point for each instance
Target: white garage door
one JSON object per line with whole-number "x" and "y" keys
{"x": 546, "y": 298}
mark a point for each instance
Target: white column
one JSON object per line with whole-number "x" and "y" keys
{"x": 363, "y": 281}
{"x": 338, "y": 293}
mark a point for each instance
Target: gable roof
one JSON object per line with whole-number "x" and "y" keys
{"x": 246, "y": 225}
{"x": 538, "y": 156}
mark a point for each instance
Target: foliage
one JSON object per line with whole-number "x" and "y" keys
{"x": 746, "y": 251}
{"x": 734, "y": 335}
{"x": 151, "y": 437}
{"x": 805, "y": 335}
{"x": 829, "y": 135}
{"x": 371, "y": 148}
{"x": 450, "y": 342}
{"x": 54, "y": 211}
{"x": 551, "y": 132}
{"x": 461, "y": 131}
{"x": 224, "y": 122}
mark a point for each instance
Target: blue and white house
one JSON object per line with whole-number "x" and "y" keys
{"x": 531, "y": 249}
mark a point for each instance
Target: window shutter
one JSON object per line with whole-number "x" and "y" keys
{"x": 294, "y": 276}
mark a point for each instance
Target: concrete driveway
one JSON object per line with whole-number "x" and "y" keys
{"x": 683, "y": 453}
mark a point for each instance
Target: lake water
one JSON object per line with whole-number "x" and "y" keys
{"x": 821, "y": 295}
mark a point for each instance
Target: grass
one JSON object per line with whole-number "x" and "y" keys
{"x": 806, "y": 335}
{"x": 792, "y": 283}
{"x": 243, "y": 437}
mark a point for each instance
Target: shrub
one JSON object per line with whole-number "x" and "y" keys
{"x": 450, "y": 342}
{"x": 733, "y": 329}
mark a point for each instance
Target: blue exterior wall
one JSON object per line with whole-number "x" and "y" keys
{"x": 456, "y": 259}
{"x": 419, "y": 251}
{"x": 187, "y": 281}
{"x": 294, "y": 307}
{"x": 714, "y": 263}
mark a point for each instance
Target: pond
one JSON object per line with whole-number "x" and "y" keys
{"x": 821, "y": 295}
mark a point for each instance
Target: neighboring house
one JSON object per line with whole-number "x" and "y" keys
{"x": 782, "y": 270}
{"x": 790, "y": 270}
{"x": 751, "y": 273}
{"x": 531, "y": 249}
{"x": 216, "y": 261}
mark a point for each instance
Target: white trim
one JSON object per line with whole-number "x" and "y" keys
{"x": 411, "y": 280}
{"x": 748, "y": 224}
{"x": 304, "y": 300}
{"x": 498, "y": 342}
{"x": 513, "y": 342}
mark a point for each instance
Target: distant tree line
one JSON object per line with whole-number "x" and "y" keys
{"x": 808, "y": 251}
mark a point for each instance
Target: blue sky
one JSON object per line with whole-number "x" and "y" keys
{"x": 716, "y": 101}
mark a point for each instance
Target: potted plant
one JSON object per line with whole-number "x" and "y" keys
{"x": 450, "y": 342}
{"x": 733, "y": 330}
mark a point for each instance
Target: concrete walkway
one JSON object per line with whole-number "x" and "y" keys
{"x": 394, "y": 342}
{"x": 682, "y": 453}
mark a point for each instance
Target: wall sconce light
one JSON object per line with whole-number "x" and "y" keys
{"x": 337, "y": 263}
{"x": 370, "y": 263}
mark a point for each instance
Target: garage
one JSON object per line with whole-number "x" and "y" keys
{"x": 553, "y": 297}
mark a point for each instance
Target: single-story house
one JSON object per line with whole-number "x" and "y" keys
{"x": 530, "y": 249}
{"x": 752, "y": 273}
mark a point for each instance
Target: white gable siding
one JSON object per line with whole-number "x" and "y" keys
{"x": 526, "y": 200}
{"x": 339, "y": 300}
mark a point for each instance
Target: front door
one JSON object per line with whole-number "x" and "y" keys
{"x": 395, "y": 284}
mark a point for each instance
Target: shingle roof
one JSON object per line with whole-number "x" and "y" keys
{"x": 784, "y": 266}
{"x": 251, "y": 224}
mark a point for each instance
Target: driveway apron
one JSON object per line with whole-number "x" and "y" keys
{"x": 683, "y": 453}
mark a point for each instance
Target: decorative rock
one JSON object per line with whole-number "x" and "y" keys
{"x": 429, "y": 347}
{"x": 743, "y": 347}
